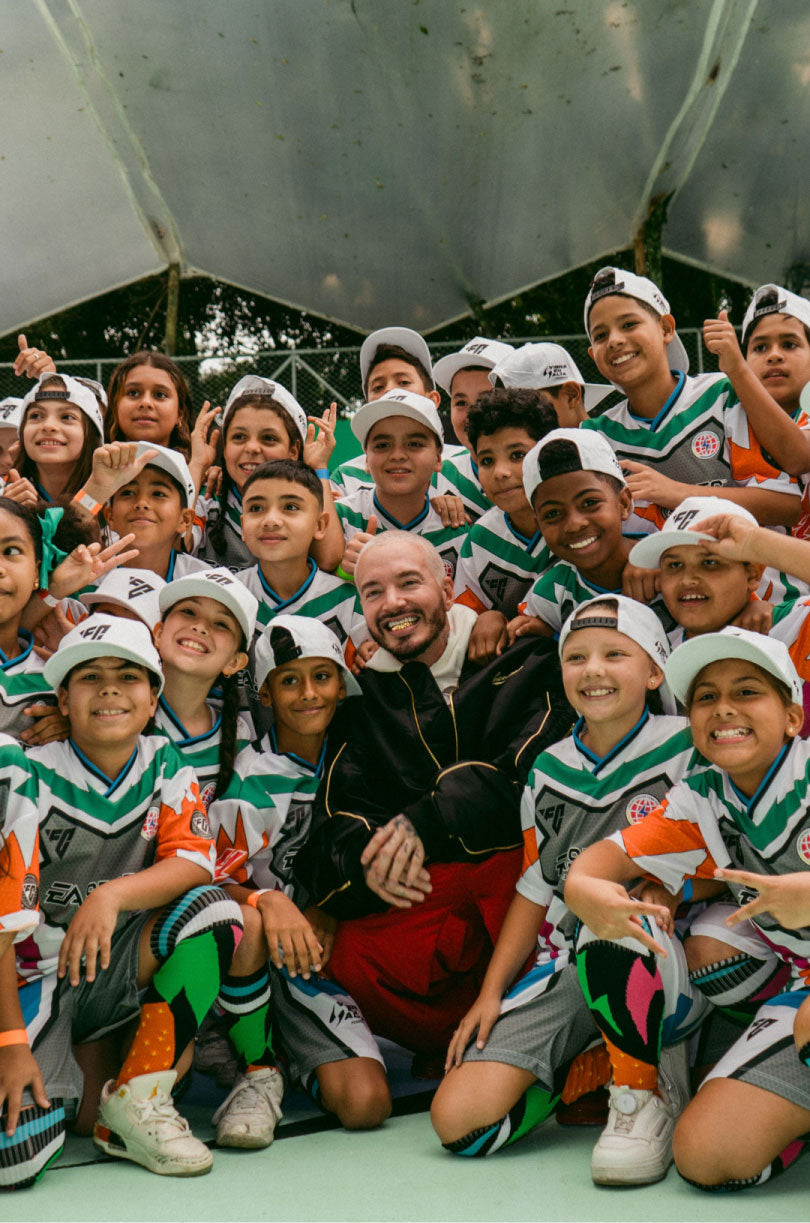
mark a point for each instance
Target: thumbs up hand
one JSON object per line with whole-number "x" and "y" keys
{"x": 720, "y": 338}
{"x": 354, "y": 545}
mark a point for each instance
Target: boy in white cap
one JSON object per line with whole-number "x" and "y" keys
{"x": 580, "y": 498}
{"x": 402, "y": 437}
{"x": 398, "y": 359}
{"x": 674, "y": 433}
{"x": 465, "y": 375}
{"x": 127, "y": 902}
{"x": 132, "y": 594}
{"x": 747, "y": 809}
{"x": 551, "y": 368}
{"x": 260, "y": 822}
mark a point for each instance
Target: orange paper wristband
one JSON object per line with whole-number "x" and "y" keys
{"x": 14, "y": 1036}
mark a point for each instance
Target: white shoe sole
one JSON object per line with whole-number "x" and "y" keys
{"x": 245, "y": 1142}
{"x": 116, "y": 1146}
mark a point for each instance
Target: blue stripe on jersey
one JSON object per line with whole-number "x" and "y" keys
{"x": 528, "y": 544}
{"x": 313, "y": 768}
{"x": 750, "y": 803}
{"x": 656, "y": 421}
{"x": 25, "y": 636}
{"x": 187, "y": 739}
{"x": 170, "y": 570}
{"x": 600, "y": 761}
{"x": 403, "y": 526}
{"x": 112, "y": 783}
{"x": 277, "y": 599}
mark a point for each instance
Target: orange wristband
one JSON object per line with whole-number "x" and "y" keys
{"x": 82, "y": 497}
{"x": 253, "y": 898}
{"x": 15, "y": 1036}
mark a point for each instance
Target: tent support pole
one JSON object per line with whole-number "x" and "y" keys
{"x": 172, "y": 306}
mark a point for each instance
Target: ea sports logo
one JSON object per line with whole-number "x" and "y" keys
{"x": 803, "y": 847}
{"x": 640, "y": 806}
{"x": 705, "y": 445}
{"x": 30, "y": 892}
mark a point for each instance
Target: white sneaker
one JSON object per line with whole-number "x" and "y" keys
{"x": 249, "y": 1115}
{"x": 635, "y": 1147}
{"x": 138, "y": 1121}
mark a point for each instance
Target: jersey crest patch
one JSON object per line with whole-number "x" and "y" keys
{"x": 803, "y": 847}
{"x": 639, "y": 806}
{"x": 705, "y": 445}
{"x": 150, "y": 824}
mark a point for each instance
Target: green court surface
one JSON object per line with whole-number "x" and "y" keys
{"x": 399, "y": 1172}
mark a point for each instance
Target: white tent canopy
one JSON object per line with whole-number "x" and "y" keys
{"x": 392, "y": 160}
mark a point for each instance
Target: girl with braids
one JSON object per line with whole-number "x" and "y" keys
{"x": 260, "y": 823}
{"x": 262, "y": 421}
{"x": 208, "y": 622}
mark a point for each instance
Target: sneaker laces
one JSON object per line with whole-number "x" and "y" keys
{"x": 160, "y": 1109}
{"x": 250, "y": 1092}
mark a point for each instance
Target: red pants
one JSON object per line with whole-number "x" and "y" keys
{"x": 415, "y": 973}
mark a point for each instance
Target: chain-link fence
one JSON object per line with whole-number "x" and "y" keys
{"x": 316, "y": 376}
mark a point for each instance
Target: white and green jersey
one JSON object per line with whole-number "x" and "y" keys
{"x": 353, "y": 474}
{"x": 573, "y": 798}
{"x": 460, "y": 471}
{"x": 19, "y": 838}
{"x": 264, "y": 816}
{"x": 237, "y": 555}
{"x": 93, "y": 828}
{"x": 322, "y": 596}
{"x": 559, "y": 591}
{"x": 705, "y": 822}
{"x": 498, "y": 565}
{"x": 700, "y": 436}
{"x": 22, "y": 684}
{"x": 200, "y": 752}
{"x": 355, "y": 511}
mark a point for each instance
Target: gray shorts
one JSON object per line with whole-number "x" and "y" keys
{"x": 765, "y": 1055}
{"x": 58, "y": 1015}
{"x": 544, "y": 1034}
{"x": 315, "y": 1022}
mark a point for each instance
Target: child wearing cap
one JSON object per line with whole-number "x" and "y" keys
{"x": 746, "y": 808}
{"x": 776, "y": 343}
{"x": 260, "y": 823}
{"x": 206, "y": 624}
{"x": 402, "y": 437}
{"x": 10, "y": 420}
{"x": 398, "y": 359}
{"x": 504, "y": 550}
{"x": 465, "y": 375}
{"x": 122, "y": 834}
{"x": 129, "y": 593}
{"x": 674, "y": 433}
{"x": 282, "y": 515}
{"x": 581, "y": 501}
{"x": 510, "y": 1058}
{"x": 551, "y": 368}
{"x": 61, "y": 428}
{"x": 261, "y": 422}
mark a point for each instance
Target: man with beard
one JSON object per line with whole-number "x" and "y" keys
{"x": 416, "y": 839}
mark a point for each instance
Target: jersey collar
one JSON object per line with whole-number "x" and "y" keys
{"x": 185, "y": 739}
{"x": 111, "y": 783}
{"x": 750, "y": 803}
{"x": 315, "y": 769}
{"x": 528, "y": 544}
{"x": 25, "y": 637}
{"x": 653, "y": 424}
{"x": 402, "y": 526}
{"x": 302, "y": 589}
{"x": 600, "y": 761}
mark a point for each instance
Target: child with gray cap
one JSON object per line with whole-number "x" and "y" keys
{"x": 260, "y": 822}
{"x": 673, "y": 433}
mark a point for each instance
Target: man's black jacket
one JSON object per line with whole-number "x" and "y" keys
{"x": 456, "y": 771}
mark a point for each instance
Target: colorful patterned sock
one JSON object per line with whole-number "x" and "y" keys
{"x": 245, "y": 1002}
{"x": 194, "y": 941}
{"x": 625, "y": 994}
{"x": 532, "y": 1109}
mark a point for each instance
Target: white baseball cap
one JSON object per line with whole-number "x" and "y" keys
{"x": 75, "y": 392}
{"x": 593, "y": 453}
{"x": 101, "y": 636}
{"x": 253, "y": 384}
{"x": 11, "y": 412}
{"x": 648, "y": 551}
{"x": 773, "y": 299}
{"x": 286, "y": 638}
{"x": 689, "y": 659}
{"x": 219, "y": 584}
{"x": 609, "y": 282}
{"x": 95, "y": 386}
{"x": 634, "y": 619}
{"x": 397, "y": 337}
{"x": 174, "y": 465}
{"x": 136, "y": 589}
{"x": 537, "y": 366}
{"x": 478, "y": 352}
{"x": 397, "y": 403}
